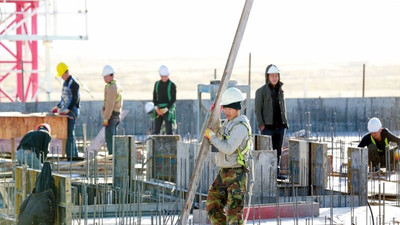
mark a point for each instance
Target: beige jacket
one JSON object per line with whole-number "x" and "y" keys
{"x": 112, "y": 100}
{"x": 238, "y": 136}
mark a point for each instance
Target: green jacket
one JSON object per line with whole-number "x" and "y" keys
{"x": 263, "y": 106}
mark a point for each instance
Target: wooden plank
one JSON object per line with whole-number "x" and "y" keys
{"x": 82, "y": 163}
{"x": 99, "y": 140}
{"x": 205, "y": 145}
{"x": 18, "y": 124}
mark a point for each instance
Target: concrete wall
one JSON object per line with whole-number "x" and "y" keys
{"x": 343, "y": 114}
{"x": 340, "y": 114}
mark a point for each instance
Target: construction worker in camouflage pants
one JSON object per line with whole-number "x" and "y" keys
{"x": 232, "y": 139}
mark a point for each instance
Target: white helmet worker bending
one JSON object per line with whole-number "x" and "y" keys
{"x": 374, "y": 125}
{"x": 148, "y": 107}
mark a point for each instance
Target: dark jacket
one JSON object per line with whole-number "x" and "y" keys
{"x": 36, "y": 140}
{"x": 381, "y": 145}
{"x": 73, "y": 99}
{"x": 264, "y": 108}
{"x": 164, "y": 94}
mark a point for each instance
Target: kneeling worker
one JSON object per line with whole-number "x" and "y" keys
{"x": 232, "y": 139}
{"x": 32, "y": 145}
{"x": 377, "y": 140}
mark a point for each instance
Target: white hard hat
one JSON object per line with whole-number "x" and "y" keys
{"x": 163, "y": 71}
{"x": 107, "y": 70}
{"x": 231, "y": 95}
{"x": 374, "y": 125}
{"x": 272, "y": 69}
{"x": 148, "y": 107}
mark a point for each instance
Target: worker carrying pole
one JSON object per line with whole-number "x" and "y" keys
{"x": 204, "y": 148}
{"x": 233, "y": 140}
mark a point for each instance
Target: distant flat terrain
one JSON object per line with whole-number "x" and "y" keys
{"x": 137, "y": 77}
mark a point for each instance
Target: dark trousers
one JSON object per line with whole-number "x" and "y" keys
{"x": 158, "y": 123}
{"x": 111, "y": 130}
{"x": 377, "y": 158}
{"x": 71, "y": 149}
{"x": 277, "y": 135}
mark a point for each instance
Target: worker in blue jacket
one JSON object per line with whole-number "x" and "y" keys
{"x": 69, "y": 105}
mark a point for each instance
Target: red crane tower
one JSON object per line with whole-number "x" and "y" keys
{"x": 19, "y": 37}
{"x": 17, "y": 60}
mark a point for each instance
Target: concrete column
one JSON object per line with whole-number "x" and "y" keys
{"x": 319, "y": 166}
{"x": 185, "y": 158}
{"x": 210, "y": 169}
{"x": 264, "y": 174}
{"x": 262, "y": 142}
{"x": 358, "y": 173}
{"x": 299, "y": 162}
{"x": 124, "y": 160}
{"x": 163, "y": 150}
{"x": 265, "y": 185}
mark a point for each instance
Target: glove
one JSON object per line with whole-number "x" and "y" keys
{"x": 55, "y": 109}
{"x": 213, "y": 106}
{"x": 164, "y": 110}
{"x": 208, "y": 133}
{"x": 105, "y": 123}
{"x": 158, "y": 111}
{"x": 64, "y": 112}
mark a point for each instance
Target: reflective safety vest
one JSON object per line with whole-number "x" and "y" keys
{"x": 119, "y": 90}
{"x": 168, "y": 92}
{"x": 386, "y": 143}
{"x": 172, "y": 112}
{"x": 241, "y": 153}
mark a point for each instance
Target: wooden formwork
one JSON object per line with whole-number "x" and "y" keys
{"x": 16, "y": 125}
{"x": 25, "y": 182}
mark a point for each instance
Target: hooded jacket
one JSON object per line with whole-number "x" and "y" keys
{"x": 263, "y": 105}
{"x": 238, "y": 136}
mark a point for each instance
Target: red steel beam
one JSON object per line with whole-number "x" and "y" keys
{"x": 27, "y": 83}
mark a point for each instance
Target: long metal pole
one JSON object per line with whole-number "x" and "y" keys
{"x": 205, "y": 145}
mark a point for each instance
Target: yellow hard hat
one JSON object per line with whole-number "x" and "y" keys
{"x": 61, "y": 68}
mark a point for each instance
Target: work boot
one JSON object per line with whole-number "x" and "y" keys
{"x": 280, "y": 176}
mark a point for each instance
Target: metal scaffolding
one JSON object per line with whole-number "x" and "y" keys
{"x": 22, "y": 25}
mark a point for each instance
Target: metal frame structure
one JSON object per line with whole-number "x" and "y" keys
{"x": 22, "y": 58}
{"x": 212, "y": 89}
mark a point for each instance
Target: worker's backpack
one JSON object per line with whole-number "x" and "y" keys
{"x": 40, "y": 206}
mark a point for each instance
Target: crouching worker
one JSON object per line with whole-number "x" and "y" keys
{"x": 151, "y": 112}
{"x": 33, "y": 148}
{"x": 232, "y": 139}
{"x": 377, "y": 141}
